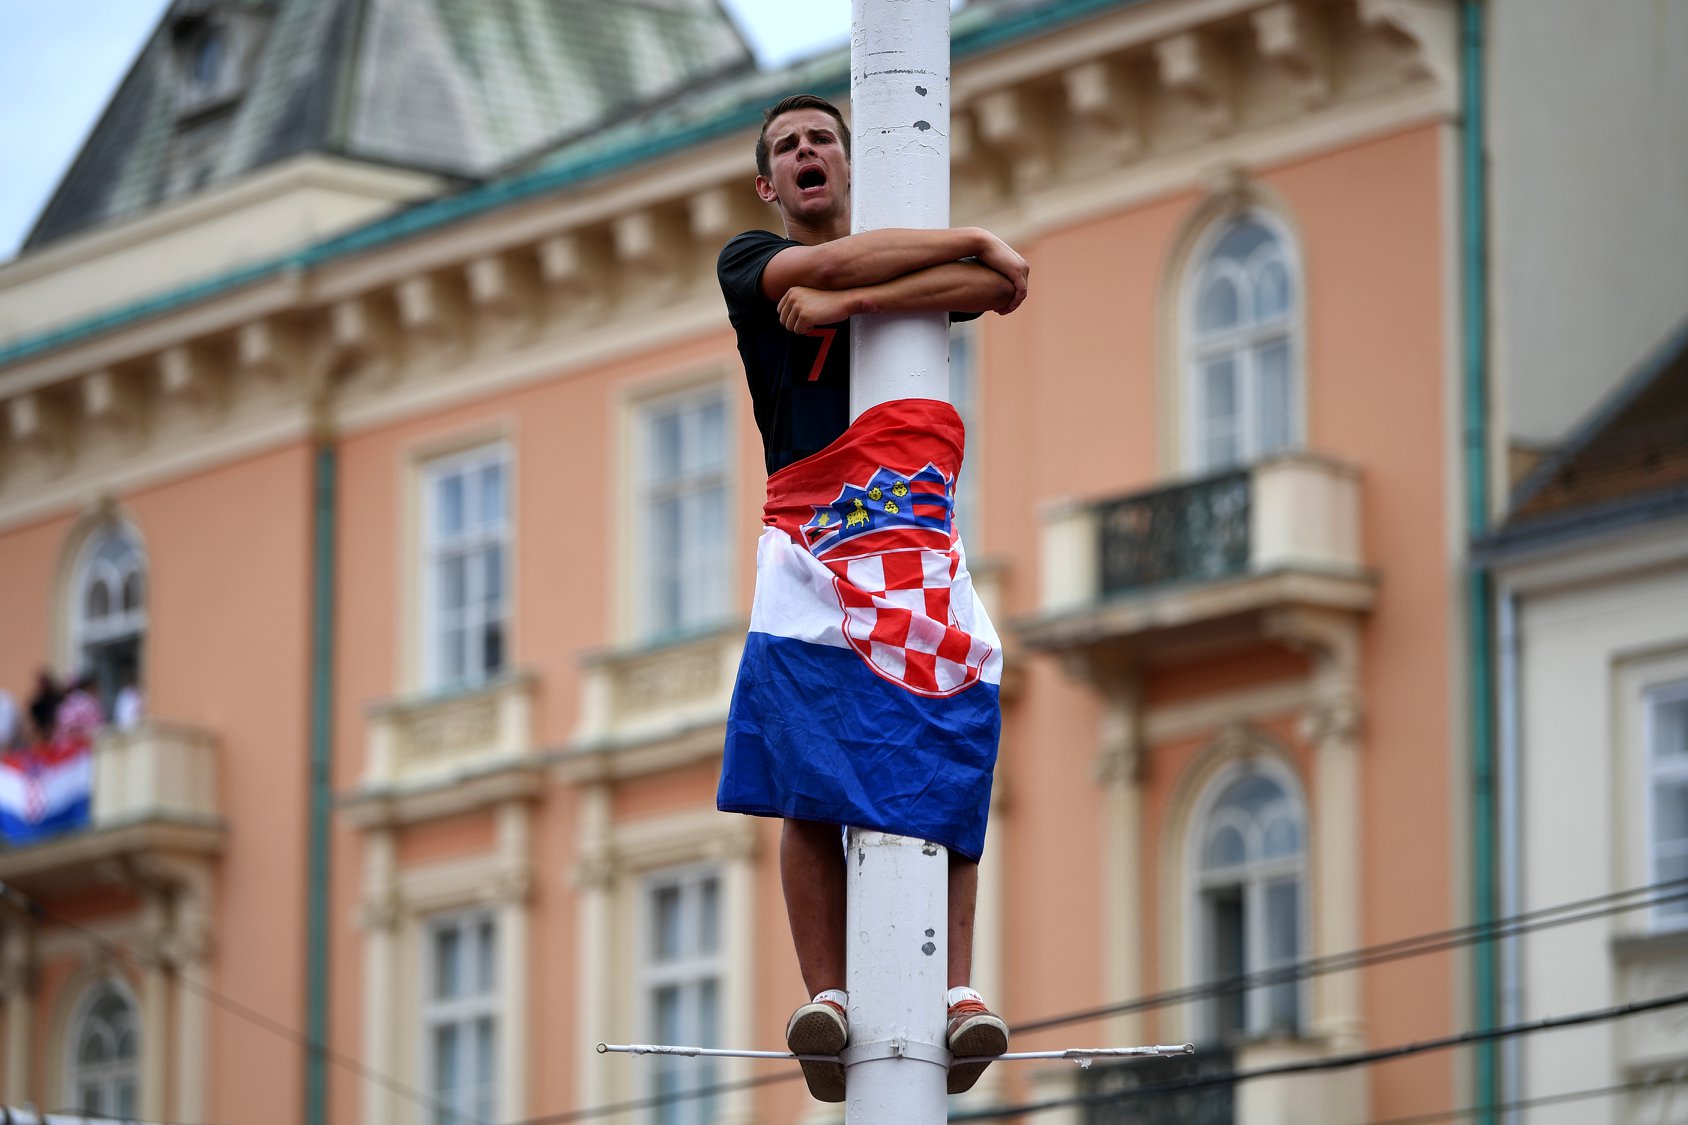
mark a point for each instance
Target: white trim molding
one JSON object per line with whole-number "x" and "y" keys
{"x": 397, "y": 904}
{"x": 614, "y": 860}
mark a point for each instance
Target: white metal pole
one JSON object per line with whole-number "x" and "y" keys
{"x": 900, "y": 122}
{"x": 897, "y": 1065}
{"x": 898, "y": 951}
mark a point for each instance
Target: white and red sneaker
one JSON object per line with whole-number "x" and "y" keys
{"x": 821, "y": 1027}
{"x": 976, "y": 1036}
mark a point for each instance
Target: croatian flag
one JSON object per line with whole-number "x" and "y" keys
{"x": 45, "y": 791}
{"x": 868, "y": 691}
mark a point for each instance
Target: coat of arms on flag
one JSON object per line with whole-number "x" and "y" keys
{"x": 868, "y": 691}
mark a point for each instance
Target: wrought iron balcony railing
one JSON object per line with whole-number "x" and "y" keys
{"x": 1187, "y": 532}
{"x": 1211, "y": 1100}
{"x": 1297, "y": 511}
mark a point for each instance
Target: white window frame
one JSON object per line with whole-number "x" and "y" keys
{"x": 1255, "y": 879}
{"x": 464, "y": 1012}
{"x": 688, "y": 971}
{"x": 1668, "y": 915}
{"x": 112, "y": 1075}
{"x": 121, "y": 623}
{"x": 1242, "y": 343}
{"x": 475, "y": 613}
{"x": 709, "y": 586}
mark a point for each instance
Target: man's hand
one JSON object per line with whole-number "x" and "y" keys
{"x": 1003, "y": 258}
{"x": 802, "y": 308}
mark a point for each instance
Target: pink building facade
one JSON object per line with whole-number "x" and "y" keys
{"x": 461, "y": 504}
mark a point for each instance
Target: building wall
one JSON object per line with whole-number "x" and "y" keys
{"x": 1368, "y": 219}
{"x": 410, "y": 351}
{"x": 1587, "y": 190}
{"x": 229, "y": 575}
{"x": 225, "y": 652}
{"x": 1596, "y": 627}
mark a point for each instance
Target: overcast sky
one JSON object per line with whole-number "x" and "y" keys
{"x": 61, "y": 59}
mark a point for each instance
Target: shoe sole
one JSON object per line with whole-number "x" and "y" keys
{"x": 816, "y": 1033}
{"x": 974, "y": 1047}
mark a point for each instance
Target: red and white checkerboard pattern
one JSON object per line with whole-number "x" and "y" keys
{"x": 897, "y": 616}
{"x": 34, "y": 798}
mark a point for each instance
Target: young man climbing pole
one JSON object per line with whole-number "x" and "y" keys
{"x": 890, "y": 721}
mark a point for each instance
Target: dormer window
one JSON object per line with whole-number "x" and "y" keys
{"x": 212, "y": 49}
{"x": 207, "y": 59}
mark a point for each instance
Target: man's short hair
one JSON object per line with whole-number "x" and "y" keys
{"x": 786, "y": 105}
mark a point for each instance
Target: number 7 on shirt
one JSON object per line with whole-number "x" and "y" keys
{"x": 825, "y": 335}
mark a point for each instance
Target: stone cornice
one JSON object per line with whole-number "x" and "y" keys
{"x": 1130, "y": 101}
{"x": 306, "y": 172}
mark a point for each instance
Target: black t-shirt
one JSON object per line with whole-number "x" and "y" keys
{"x": 799, "y": 385}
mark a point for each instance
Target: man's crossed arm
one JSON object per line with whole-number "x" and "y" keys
{"x": 895, "y": 270}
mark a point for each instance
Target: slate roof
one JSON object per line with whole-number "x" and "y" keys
{"x": 737, "y": 100}
{"x": 458, "y": 87}
{"x": 1626, "y": 464}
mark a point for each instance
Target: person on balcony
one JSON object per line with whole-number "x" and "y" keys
{"x": 128, "y": 708}
{"x": 79, "y": 716}
{"x": 44, "y": 706}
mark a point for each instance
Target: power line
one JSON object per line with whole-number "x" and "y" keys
{"x": 1562, "y": 914}
{"x": 1421, "y": 945}
{"x": 1675, "y": 1078}
{"x": 655, "y": 1100}
{"x": 1335, "y": 1062}
{"x": 35, "y": 909}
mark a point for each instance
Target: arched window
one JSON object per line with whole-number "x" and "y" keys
{"x": 1242, "y": 362}
{"x": 104, "y": 1063}
{"x": 1250, "y": 873}
{"x": 108, "y": 610}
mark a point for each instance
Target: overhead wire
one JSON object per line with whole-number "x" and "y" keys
{"x": 1675, "y": 1078}
{"x": 1499, "y": 929}
{"x": 36, "y": 909}
{"x": 1581, "y": 910}
{"x": 1665, "y": 891}
{"x": 1333, "y": 1062}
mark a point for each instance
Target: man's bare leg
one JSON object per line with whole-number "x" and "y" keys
{"x": 963, "y": 900}
{"x": 975, "y": 1034}
{"x": 812, "y": 875}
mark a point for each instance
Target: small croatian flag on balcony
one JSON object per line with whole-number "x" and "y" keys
{"x": 868, "y": 691}
{"x": 45, "y": 791}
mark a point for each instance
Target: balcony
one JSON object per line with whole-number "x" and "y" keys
{"x": 1199, "y": 1090}
{"x": 438, "y": 755}
{"x": 654, "y": 707}
{"x": 1112, "y": 1091}
{"x": 154, "y": 794}
{"x": 1160, "y": 575}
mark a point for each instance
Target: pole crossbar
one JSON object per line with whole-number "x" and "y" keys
{"x": 1083, "y": 1056}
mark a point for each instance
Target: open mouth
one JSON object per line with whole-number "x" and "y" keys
{"x": 810, "y": 178}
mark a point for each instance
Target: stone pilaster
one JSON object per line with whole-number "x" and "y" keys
{"x": 594, "y": 881}
{"x": 17, "y": 993}
{"x": 511, "y": 898}
{"x": 1333, "y": 725}
{"x": 380, "y": 970}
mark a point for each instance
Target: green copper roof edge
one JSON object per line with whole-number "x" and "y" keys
{"x": 442, "y": 212}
